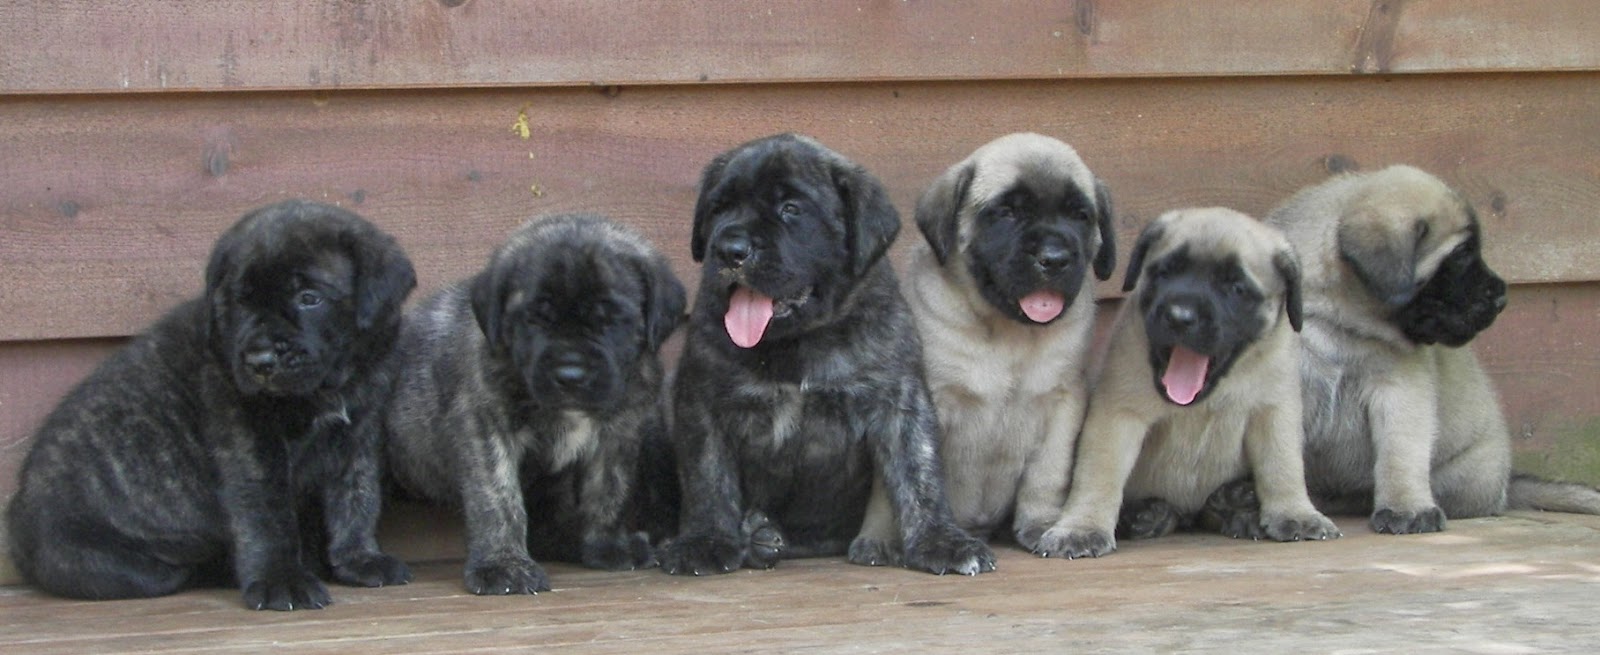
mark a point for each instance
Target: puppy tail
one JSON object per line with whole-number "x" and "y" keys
{"x": 1530, "y": 492}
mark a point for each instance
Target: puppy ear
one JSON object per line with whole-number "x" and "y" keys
{"x": 1384, "y": 261}
{"x": 1105, "y": 260}
{"x": 1288, "y": 266}
{"x": 938, "y": 212}
{"x": 704, "y": 206}
{"x": 1147, "y": 238}
{"x": 384, "y": 276}
{"x": 488, "y": 303}
{"x": 871, "y": 221}
{"x": 664, "y": 300}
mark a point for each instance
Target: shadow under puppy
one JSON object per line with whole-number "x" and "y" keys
{"x": 1005, "y": 306}
{"x": 238, "y": 432}
{"x": 1401, "y": 421}
{"x": 1198, "y": 388}
{"x": 801, "y": 378}
{"x": 541, "y": 371}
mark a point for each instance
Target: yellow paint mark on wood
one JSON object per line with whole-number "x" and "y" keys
{"x": 538, "y": 192}
{"x": 520, "y": 128}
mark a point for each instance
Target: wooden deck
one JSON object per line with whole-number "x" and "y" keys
{"x": 1523, "y": 583}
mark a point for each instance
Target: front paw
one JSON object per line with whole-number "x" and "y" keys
{"x": 291, "y": 590}
{"x": 1147, "y": 519}
{"x": 372, "y": 570}
{"x": 700, "y": 554}
{"x": 1075, "y": 542}
{"x": 868, "y": 551}
{"x": 948, "y": 549}
{"x": 1392, "y": 521}
{"x": 623, "y": 551}
{"x": 766, "y": 540}
{"x": 505, "y": 576}
{"x": 1305, "y": 527}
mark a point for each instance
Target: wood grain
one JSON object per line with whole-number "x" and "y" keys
{"x": 87, "y": 46}
{"x": 112, "y": 202}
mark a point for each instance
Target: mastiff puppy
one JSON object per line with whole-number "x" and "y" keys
{"x": 1401, "y": 422}
{"x": 801, "y": 378}
{"x": 540, "y": 372}
{"x": 1199, "y": 387}
{"x": 237, "y": 440}
{"x": 1005, "y": 306}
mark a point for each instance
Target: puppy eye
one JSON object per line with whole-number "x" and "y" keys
{"x": 788, "y": 210}
{"x": 1005, "y": 213}
{"x": 1422, "y": 230}
{"x": 544, "y": 312}
{"x": 308, "y": 299}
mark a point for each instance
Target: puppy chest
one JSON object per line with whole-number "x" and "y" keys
{"x": 571, "y": 437}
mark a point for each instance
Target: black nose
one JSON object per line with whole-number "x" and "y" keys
{"x": 260, "y": 362}
{"x": 1180, "y": 316}
{"x": 733, "y": 250}
{"x": 1053, "y": 258}
{"x": 570, "y": 371}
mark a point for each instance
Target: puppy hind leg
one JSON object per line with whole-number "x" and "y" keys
{"x": 1148, "y": 518}
{"x": 1475, "y": 482}
{"x": 1233, "y": 510}
{"x": 96, "y": 562}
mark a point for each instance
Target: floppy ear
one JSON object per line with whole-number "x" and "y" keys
{"x": 488, "y": 303}
{"x": 1150, "y": 235}
{"x": 938, "y": 212}
{"x": 703, "y": 206}
{"x": 1385, "y": 262}
{"x": 384, "y": 276}
{"x": 664, "y": 300}
{"x": 1288, "y": 266}
{"x": 871, "y": 221}
{"x": 1105, "y": 260}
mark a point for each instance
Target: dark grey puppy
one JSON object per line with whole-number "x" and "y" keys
{"x": 801, "y": 379}
{"x": 540, "y": 371}
{"x": 221, "y": 444}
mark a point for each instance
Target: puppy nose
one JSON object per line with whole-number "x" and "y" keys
{"x": 570, "y": 375}
{"x": 1053, "y": 258}
{"x": 733, "y": 250}
{"x": 260, "y": 362}
{"x": 1181, "y": 316}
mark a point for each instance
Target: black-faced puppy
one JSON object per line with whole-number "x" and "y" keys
{"x": 1198, "y": 386}
{"x": 801, "y": 378}
{"x": 1401, "y": 422}
{"x": 242, "y": 421}
{"x": 1004, "y": 302}
{"x": 541, "y": 372}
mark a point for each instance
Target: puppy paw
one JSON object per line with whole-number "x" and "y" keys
{"x": 372, "y": 570}
{"x": 1147, "y": 519}
{"x": 506, "y": 576}
{"x": 1027, "y": 536}
{"x": 1304, "y": 527}
{"x": 1075, "y": 542}
{"x": 766, "y": 541}
{"x": 623, "y": 551}
{"x": 948, "y": 549}
{"x": 867, "y": 551}
{"x": 700, "y": 555}
{"x": 291, "y": 590}
{"x": 1392, "y": 521}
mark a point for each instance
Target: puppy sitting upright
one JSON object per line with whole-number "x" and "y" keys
{"x": 1401, "y": 421}
{"x": 1198, "y": 387}
{"x": 801, "y": 378}
{"x": 237, "y": 440}
{"x": 1005, "y": 307}
{"x": 541, "y": 370}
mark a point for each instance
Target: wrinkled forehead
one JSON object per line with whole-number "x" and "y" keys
{"x": 1043, "y": 166}
{"x": 290, "y": 267}
{"x": 1226, "y": 240}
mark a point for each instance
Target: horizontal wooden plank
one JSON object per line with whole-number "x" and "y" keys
{"x": 70, "y": 46}
{"x": 110, "y": 203}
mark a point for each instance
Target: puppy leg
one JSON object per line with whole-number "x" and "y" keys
{"x": 256, "y": 489}
{"x": 709, "y": 538}
{"x": 1404, "y": 425}
{"x": 908, "y": 459}
{"x": 1233, "y": 510}
{"x": 1273, "y": 442}
{"x": 496, "y": 518}
{"x": 1476, "y": 481}
{"x": 879, "y": 541}
{"x": 352, "y": 501}
{"x": 607, "y": 485}
{"x": 1048, "y": 472}
{"x": 1108, "y": 449}
{"x": 95, "y": 561}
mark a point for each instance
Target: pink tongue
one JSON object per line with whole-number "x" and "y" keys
{"x": 1186, "y": 375}
{"x": 1042, "y": 306}
{"x": 748, "y": 314}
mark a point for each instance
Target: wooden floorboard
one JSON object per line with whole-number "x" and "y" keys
{"x": 1527, "y": 582}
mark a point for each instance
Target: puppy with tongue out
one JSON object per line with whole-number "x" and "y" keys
{"x": 1199, "y": 388}
{"x": 799, "y": 401}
